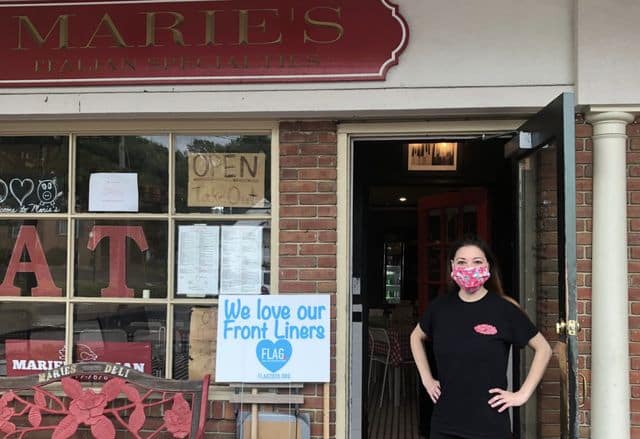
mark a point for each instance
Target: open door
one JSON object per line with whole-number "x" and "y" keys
{"x": 544, "y": 157}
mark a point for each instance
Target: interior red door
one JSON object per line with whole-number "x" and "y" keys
{"x": 443, "y": 219}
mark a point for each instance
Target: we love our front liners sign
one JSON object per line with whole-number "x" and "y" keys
{"x": 273, "y": 338}
{"x": 109, "y": 42}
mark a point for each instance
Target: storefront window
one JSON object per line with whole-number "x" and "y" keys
{"x": 31, "y": 337}
{"x": 134, "y": 335}
{"x": 111, "y": 267}
{"x": 33, "y": 258}
{"x": 194, "y": 341}
{"x": 121, "y": 259}
{"x": 223, "y": 174}
{"x": 222, "y": 257}
{"x": 33, "y": 174}
{"x": 103, "y": 163}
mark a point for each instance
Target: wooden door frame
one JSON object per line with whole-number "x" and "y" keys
{"x": 347, "y": 134}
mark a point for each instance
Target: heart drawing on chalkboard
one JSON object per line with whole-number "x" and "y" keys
{"x": 272, "y": 355}
{"x": 21, "y": 189}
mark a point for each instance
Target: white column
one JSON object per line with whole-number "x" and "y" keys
{"x": 610, "y": 407}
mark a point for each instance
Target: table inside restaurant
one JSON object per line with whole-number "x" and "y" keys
{"x": 399, "y": 354}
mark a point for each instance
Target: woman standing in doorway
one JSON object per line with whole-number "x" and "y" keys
{"x": 472, "y": 329}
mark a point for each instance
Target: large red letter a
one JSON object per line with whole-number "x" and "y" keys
{"x": 28, "y": 238}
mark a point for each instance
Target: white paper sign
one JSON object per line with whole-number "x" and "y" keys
{"x": 198, "y": 255}
{"x": 113, "y": 192}
{"x": 241, "y": 270}
{"x": 273, "y": 338}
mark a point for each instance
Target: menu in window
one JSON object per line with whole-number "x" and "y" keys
{"x": 241, "y": 255}
{"x": 198, "y": 259}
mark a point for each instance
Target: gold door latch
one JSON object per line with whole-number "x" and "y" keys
{"x": 572, "y": 327}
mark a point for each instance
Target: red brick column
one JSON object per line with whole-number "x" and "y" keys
{"x": 308, "y": 238}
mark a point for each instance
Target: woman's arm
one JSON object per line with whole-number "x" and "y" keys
{"x": 505, "y": 399}
{"x": 432, "y": 386}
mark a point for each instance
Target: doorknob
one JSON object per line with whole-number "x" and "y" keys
{"x": 561, "y": 327}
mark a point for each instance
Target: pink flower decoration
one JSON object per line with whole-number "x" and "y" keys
{"x": 6, "y": 413}
{"x": 485, "y": 329}
{"x": 88, "y": 407}
{"x": 178, "y": 418}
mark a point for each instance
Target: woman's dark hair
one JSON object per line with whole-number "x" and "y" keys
{"x": 494, "y": 283}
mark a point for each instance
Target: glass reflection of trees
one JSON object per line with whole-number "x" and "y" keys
{"x": 147, "y": 156}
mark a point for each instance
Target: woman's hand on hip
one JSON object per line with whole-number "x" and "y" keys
{"x": 503, "y": 399}
{"x": 433, "y": 388}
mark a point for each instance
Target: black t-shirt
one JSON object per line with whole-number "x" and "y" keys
{"x": 471, "y": 342}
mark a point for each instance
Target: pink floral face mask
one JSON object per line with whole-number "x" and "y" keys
{"x": 470, "y": 279}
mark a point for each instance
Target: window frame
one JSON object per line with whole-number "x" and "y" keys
{"x": 73, "y": 129}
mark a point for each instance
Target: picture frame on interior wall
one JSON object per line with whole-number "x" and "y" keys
{"x": 432, "y": 156}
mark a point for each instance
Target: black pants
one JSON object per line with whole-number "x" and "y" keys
{"x": 435, "y": 435}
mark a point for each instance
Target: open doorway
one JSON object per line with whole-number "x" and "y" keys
{"x": 529, "y": 182}
{"x": 404, "y": 220}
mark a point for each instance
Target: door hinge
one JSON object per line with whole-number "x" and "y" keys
{"x": 572, "y": 327}
{"x": 522, "y": 140}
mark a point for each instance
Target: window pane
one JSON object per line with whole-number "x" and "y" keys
{"x": 228, "y": 257}
{"x": 223, "y": 174}
{"x": 452, "y": 224}
{"x": 434, "y": 261}
{"x": 146, "y": 156}
{"x": 434, "y": 227}
{"x": 194, "y": 341}
{"x": 469, "y": 220}
{"x": 33, "y": 258}
{"x": 134, "y": 334}
{"x": 31, "y": 337}
{"x": 129, "y": 257}
{"x": 33, "y": 173}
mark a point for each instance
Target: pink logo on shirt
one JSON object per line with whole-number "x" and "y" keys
{"x": 485, "y": 329}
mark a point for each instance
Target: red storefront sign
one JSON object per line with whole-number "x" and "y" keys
{"x": 26, "y": 357}
{"x": 232, "y": 41}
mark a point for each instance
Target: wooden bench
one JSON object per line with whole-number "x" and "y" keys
{"x": 102, "y": 398}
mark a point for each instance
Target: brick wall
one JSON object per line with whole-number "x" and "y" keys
{"x": 308, "y": 234}
{"x": 633, "y": 212}
{"x": 584, "y": 200}
{"x": 221, "y": 420}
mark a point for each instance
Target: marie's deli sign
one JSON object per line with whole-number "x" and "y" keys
{"x": 224, "y": 41}
{"x": 26, "y": 357}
